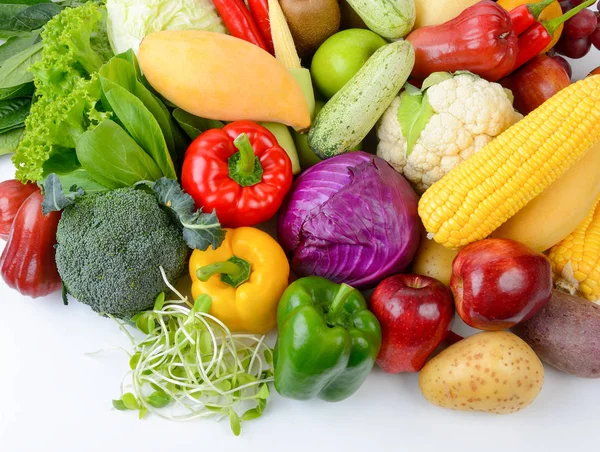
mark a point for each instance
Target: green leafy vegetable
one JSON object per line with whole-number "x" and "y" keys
{"x": 130, "y": 21}
{"x": 15, "y": 70}
{"x": 140, "y": 124}
{"x": 10, "y": 140}
{"x": 200, "y": 230}
{"x": 13, "y": 113}
{"x": 414, "y": 112}
{"x": 55, "y": 198}
{"x": 68, "y": 88}
{"x": 124, "y": 71}
{"x": 194, "y": 126}
{"x": 25, "y": 90}
{"x": 191, "y": 363}
{"x": 16, "y": 45}
{"x": 113, "y": 158}
{"x": 28, "y": 18}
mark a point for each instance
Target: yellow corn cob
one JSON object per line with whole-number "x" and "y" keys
{"x": 576, "y": 260}
{"x": 483, "y": 192}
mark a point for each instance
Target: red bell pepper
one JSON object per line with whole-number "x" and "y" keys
{"x": 239, "y": 171}
{"x": 537, "y": 37}
{"x": 27, "y": 263}
{"x": 239, "y": 21}
{"x": 524, "y": 16}
{"x": 12, "y": 195}
{"x": 481, "y": 40}
{"x": 260, "y": 12}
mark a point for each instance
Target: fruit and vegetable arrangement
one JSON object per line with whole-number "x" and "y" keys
{"x": 353, "y": 175}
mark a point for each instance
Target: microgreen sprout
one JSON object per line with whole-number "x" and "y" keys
{"x": 189, "y": 365}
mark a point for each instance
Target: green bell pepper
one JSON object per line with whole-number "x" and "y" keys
{"x": 328, "y": 340}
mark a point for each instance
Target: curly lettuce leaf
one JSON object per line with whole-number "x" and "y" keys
{"x": 67, "y": 87}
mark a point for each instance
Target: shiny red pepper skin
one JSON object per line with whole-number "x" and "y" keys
{"x": 205, "y": 175}
{"x": 531, "y": 44}
{"x": 524, "y": 16}
{"x": 12, "y": 195}
{"x": 480, "y": 40}
{"x": 260, "y": 12}
{"x": 27, "y": 263}
{"x": 239, "y": 21}
{"x": 522, "y": 19}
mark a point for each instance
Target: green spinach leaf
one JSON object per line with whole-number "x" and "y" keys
{"x": 25, "y": 90}
{"x": 194, "y": 126}
{"x": 10, "y": 140}
{"x": 14, "y": 71}
{"x": 140, "y": 124}
{"x": 124, "y": 71}
{"x": 13, "y": 113}
{"x": 30, "y": 18}
{"x": 15, "y": 45}
{"x": 113, "y": 158}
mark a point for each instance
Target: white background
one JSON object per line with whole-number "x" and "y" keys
{"x": 55, "y": 398}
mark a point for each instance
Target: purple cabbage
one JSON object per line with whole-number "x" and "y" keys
{"x": 351, "y": 219}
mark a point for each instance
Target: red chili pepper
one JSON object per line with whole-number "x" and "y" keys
{"x": 260, "y": 12}
{"x": 481, "y": 40}
{"x": 239, "y": 21}
{"x": 524, "y": 16}
{"x": 27, "y": 263}
{"x": 537, "y": 37}
{"x": 239, "y": 171}
{"x": 12, "y": 195}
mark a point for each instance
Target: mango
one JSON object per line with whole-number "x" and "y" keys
{"x": 217, "y": 76}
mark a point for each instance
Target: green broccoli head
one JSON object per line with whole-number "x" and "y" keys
{"x": 110, "y": 248}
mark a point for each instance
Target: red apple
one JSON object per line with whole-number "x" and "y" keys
{"x": 415, "y": 313}
{"x": 595, "y": 71}
{"x": 537, "y": 81}
{"x": 498, "y": 283}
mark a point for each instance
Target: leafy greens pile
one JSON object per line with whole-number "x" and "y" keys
{"x": 20, "y": 25}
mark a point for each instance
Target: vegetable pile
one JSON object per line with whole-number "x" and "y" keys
{"x": 440, "y": 156}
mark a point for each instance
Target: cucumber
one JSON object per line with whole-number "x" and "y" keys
{"x": 350, "y": 115}
{"x": 390, "y": 19}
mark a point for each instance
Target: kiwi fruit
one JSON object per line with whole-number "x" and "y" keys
{"x": 350, "y": 19}
{"x": 311, "y": 22}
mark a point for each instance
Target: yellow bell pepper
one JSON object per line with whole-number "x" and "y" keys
{"x": 245, "y": 277}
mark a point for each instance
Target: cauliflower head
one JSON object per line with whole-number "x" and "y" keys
{"x": 465, "y": 113}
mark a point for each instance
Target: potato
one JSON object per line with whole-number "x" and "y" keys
{"x": 435, "y": 12}
{"x": 434, "y": 260}
{"x": 565, "y": 333}
{"x": 493, "y": 371}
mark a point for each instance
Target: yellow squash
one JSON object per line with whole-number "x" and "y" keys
{"x": 217, "y": 76}
{"x": 560, "y": 208}
{"x": 482, "y": 193}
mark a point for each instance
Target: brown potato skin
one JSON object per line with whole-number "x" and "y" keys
{"x": 565, "y": 333}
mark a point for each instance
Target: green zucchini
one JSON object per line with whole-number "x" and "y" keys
{"x": 390, "y": 19}
{"x": 349, "y": 116}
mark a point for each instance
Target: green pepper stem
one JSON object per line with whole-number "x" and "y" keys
{"x": 219, "y": 268}
{"x": 246, "y": 162}
{"x": 552, "y": 25}
{"x": 537, "y": 9}
{"x": 340, "y": 298}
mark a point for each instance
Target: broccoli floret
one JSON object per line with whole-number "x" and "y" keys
{"x": 110, "y": 248}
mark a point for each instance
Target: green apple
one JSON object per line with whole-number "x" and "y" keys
{"x": 340, "y": 58}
